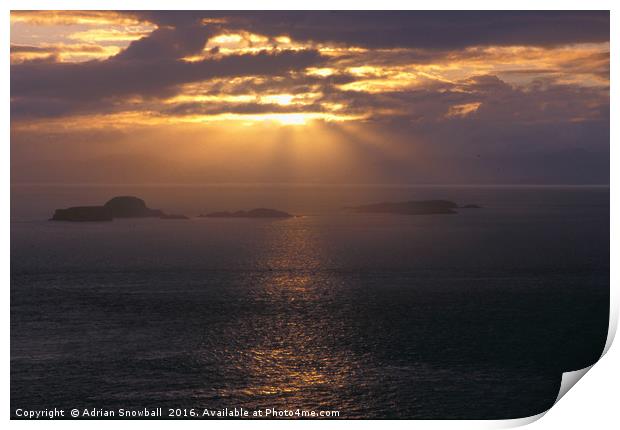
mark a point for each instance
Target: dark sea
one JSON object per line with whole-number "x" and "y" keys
{"x": 472, "y": 315}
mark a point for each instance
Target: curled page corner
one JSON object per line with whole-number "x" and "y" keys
{"x": 569, "y": 379}
{"x": 613, "y": 322}
{"x": 519, "y": 422}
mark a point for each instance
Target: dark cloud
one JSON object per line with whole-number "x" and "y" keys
{"x": 168, "y": 43}
{"x": 28, "y": 49}
{"x": 499, "y": 102}
{"x": 417, "y": 29}
{"x": 120, "y": 77}
{"x": 48, "y": 107}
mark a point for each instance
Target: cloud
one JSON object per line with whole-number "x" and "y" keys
{"x": 128, "y": 75}
{"x": 49, "y": 49}
{"x": 168, "y": 43}
{"x": 436, "y": 88}
{"x": 417, "y": 29}
{"x": 73, "y": 17}
{"x": 109, "y": 35}
{"x": 408, "y": 51}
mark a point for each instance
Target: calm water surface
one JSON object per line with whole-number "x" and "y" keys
{"x": 473, "y": 315}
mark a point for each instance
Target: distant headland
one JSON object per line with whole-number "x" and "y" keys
{"x": 420, "y": 207}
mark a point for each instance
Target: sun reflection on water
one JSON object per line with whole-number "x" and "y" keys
{"x": 292, "y": 361}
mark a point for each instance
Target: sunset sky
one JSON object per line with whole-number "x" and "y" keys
{"x": 327, "y": 97}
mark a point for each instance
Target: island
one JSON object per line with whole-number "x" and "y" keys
{"x": 420, "y": 207}
{"x": 253, "y": 213}
{"x": 82, "y": 213}
{"x": 471, "y": 207}
{"x": 130, "y": 207}
{"x": 117, "y": 207}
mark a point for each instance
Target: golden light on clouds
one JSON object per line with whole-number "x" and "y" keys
{"x": 127, "y": 34}
{"x": 73, "y": 36}
{"x": 280, "y": 99}
{"x": 206, "y": 98}
{"x": 463, "y": 110}
{"x": 378, "y": 79}
{"x": 305, "y": 118}
{"x": 362, "y": 92}
{"x": 289, "y": 99}
{"x": 132, "y": 119}
{"x": 264, "y": 99}
{"x": 226, "y": 40}
{"x": 320, "y": 71}
{"x": 247, "y": 43}
{"x": 62, "y": 52}
{"x": 292, "y": 98}
{"x": 69, "y": 17}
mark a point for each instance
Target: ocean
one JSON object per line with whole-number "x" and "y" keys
{"x": 473, "y": 315}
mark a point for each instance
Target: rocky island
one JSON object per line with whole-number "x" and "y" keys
{"x": 420, "y": 207}
{"x": 117, "y": 207}
{"x": 82, "y": 213}
{"x": 254, "y": 213}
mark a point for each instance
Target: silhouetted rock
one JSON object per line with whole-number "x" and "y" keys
{"x": 254, "y": 213}
{"x": 118, "y": 207}
{"x": 82, "y": 213}
{"x": 173, "y": 216}
{"x": 471, "y": 207}
{"x": 422, "y": 207}
{"x": 130, "y": 207}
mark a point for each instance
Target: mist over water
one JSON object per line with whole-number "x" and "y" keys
{"x": 472, "y": 315}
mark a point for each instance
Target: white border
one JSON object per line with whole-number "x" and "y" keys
{"x": 592, "y": 404}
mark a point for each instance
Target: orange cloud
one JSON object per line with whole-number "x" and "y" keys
{"x": 68, "y": 17}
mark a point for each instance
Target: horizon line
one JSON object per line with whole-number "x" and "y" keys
{"x": 298, "y": 184}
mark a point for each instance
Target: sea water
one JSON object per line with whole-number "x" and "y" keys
{"x": 471, "y": 315}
